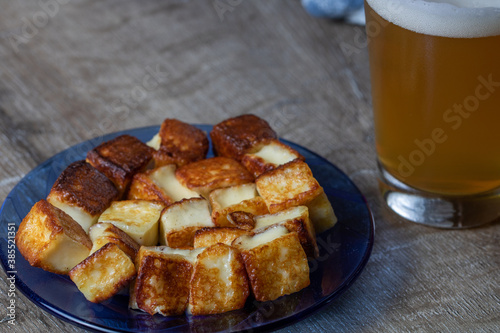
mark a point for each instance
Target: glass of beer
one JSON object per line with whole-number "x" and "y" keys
{"x": 435, "y": 78}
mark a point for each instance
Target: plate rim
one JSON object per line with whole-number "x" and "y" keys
{"x": 48, "y": 307}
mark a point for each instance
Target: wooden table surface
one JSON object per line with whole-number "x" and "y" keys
{"x": 74, "y": 70}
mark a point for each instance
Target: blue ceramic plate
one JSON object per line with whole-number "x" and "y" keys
{"x": 344, "y": 251}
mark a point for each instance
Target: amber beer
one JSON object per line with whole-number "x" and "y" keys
{"x": 435, "y": 72}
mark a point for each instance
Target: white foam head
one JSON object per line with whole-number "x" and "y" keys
{"x": 447, "y": 18}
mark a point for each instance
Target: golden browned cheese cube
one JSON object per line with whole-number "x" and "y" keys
{"x": 104, "y": 273}
{"x": 321, "y": 213}
{"x": 137, "y": 218}
{"x": 179, "y": 143}
{"x": 209, "y": 236}
{"x": 144, "y": 188}
{"x": 234, "y": 137}
{"x": 238, "y": 198}
{"x": 104, "y": 233}
{"x": 180, "y": 221}
{"x": 82, "y": 192}
{"x": 212, "y": 173}
{"x": 160, "y": 184}
{"x": 163, "y": 279}
{"x": 293, "y": 184}
{"x": 120, "y": 158}
{"x": 268, "y": 156}
{"x": 289, "y": 185}
{"x": 295, "y": 219}
{"x": 219, "y": 282}
{"x": 50, "y": 239}
{"x": 275, "y": 262}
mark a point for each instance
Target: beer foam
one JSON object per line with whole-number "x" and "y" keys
{"x": 446, "y": 18}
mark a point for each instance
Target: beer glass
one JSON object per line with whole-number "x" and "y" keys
{"x": 435, "y": 79}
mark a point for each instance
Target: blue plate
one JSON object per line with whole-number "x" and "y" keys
{"x": 344, "y": 251}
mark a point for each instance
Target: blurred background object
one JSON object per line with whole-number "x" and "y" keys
{"x": 351, "y": 11}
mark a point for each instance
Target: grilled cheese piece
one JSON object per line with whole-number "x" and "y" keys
{"x": 50, "y": 239}
{"x": 238, "y": 198}
{"x": 321, "y": 213}
{"x": 212, "y": 173}
{"x": 219, "y": 281}
{"x": 179, "y": 143}
{"x": 83, "y": 193}
{"x": 268, "y": 156}
{"x": 180, "y": 221}
{"x": 120, "y": 158}
{"x": 275, "y": 262}
{"x": 137, "y": 218}
{"x": 160, "y": 184}
{"x": 104, "y": 233}
{"x": 163, "y": 279}
{"x": 293, "y": 184}
{"x": 209, "y": 236}
{"x": 294, "y": 219}
{"x": 236, "y": 136}
{"x": 104, "y": 273}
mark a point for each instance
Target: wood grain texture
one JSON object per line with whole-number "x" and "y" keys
{"x": 94, "y": 67}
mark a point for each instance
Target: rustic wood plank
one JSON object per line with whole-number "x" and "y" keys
{"x": 95, "y": 67}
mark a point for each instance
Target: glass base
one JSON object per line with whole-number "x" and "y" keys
{"x": 441, "y": 211}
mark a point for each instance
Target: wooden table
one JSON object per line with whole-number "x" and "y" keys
{"x": 71, "y": 71}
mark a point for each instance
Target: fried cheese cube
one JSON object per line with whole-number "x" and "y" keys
{"x": 137, "y": 218}
{"x": 50, "y": 239}
{"x": 321, "y": 213}
{"x": 104, "y": 273}
{"x": 268, "y": 156}
{"x": 120, "y": 158}
{"x": 209, "y": 236}
{"x": 179, "y": 143}
{"x": 163, "y": 279}
{"x": 238, "y": 198}
{"x": 83, "y": 193}
{"x": 159, "y": 184}
{"x": 180, "y": 221}
{"x": 219, "y": 282}
{"x": 293, "y": 184}
{"x": 234, "y": 137}
{"x": 275, "y": 262}
{"x": 289, "y": 185}
{"x": 212, "y": 173}
{"x": 294, "y": 219}
{"x": 103, "y": 233}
